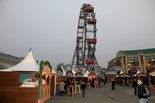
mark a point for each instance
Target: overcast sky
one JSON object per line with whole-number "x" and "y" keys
{"x": 49, "y": 27}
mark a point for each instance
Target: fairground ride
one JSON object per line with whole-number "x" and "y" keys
{"x": 84, "y": 55}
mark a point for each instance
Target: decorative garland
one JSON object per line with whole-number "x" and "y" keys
{"x": 40, "y": 80}
{"x": 42, "y": 63}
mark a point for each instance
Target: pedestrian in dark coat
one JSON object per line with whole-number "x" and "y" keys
{"x": 135, "y": 86}
{"x": 83, "y": 88}
{"x": 141, "y": 91}
{"x": 113, "y": 84}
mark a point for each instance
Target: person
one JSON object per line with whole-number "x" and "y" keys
{"x": 135, "y": 86}
{"x": 65, "y": 87}
{"x": 104, "y": 81}
{"x": 121, "y": 82}
{"x": 93, "y": 82}
{"x": 89, "y": 83}
{"x": 113, "y": 84}
{"x": 61, "y": 88}
{"x": 83, "y": 88}
{"x": 141, "y": 91}
{"x": 127, "y": 82}
{"x": 99, "y": 82}
{"x": 96, "y": 83}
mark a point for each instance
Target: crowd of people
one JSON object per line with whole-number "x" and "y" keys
{"x": 138, "y": 84}
{"x": 70, "y": 85}
{"x": 96, "y": 82}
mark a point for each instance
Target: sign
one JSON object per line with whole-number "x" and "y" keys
{"x": 79, "y": 75}
{"x": 46, "y": 68}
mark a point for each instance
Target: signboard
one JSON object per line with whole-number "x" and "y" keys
{"x": 79, "y": 75}
{"x": 69, "y": 74}
{"x": 46, "y": 68}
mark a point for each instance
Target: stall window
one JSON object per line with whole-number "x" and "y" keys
{"x": 22, "y": 77}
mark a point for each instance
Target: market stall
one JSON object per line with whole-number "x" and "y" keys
{"x": 24, "y": 83}
{"x": 16, "y": 83}
{"x": 47, "y": 88}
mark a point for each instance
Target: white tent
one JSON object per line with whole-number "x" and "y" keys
{"x": 117, "y": 76}
{"x": 53, "y": 71}
{"x": 138, "y": 72}
{"x": 73, "y": 71}
{"x": 121, "y": 72}
{"x": 152, "y": 74}
{"x": 86, "y": 74}
{"x": 64, "y": 72}
{"x": 27, "y": 64}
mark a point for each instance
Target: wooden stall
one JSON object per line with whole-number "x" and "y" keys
{"x": 11, "y": 92}
{"x": 47, "y": 86}
{"x": 26, "y": 82}
{"x": 15, "y": 82}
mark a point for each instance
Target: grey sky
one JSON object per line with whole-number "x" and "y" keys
{"x": 49, "y": 27}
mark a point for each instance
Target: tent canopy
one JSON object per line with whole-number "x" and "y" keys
{"x": 124, "y": 75}
{"x": 86, "y": 74}
{"x": 152, "y": 74}
{"x": 121, "y": 72}
{"x": 27, "y": 64}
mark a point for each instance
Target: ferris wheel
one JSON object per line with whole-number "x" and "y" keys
{"x": 84, "y": 55}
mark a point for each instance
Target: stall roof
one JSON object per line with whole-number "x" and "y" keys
{"x": 86, "y": 74}
{"x": 152, "y": 74}
{"x": 27, "y": 64}
{"x": 135, "y": 52}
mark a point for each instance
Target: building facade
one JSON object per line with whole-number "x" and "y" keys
{"x": 7, "y": 60}
{"x": 133, "y": 63}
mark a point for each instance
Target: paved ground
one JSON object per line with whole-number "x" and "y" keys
{"x": 102, "y": 95}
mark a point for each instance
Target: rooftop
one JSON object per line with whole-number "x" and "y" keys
{"x": 135, "y": 52}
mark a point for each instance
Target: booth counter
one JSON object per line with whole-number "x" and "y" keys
{"x": 27, "y": 82}
{"x": 11, "y": 92}
{"x": 27, "y": 95}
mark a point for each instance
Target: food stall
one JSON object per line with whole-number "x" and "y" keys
{"x": 46, "y": 82}
{"x": 16, "y": 82}
{"x": 22, "y": 83}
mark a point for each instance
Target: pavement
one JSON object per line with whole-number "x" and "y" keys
{"x": 102, "y": 95}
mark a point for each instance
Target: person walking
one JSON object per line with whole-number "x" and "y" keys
{"x": 104, "y": 81}
{"x": 135, "y": 86}
{"x": 113, "y": 84}
{"x": 61, "y": 88}
{"x": 142, "y": 91}
{"x": 99, "y": 82}
{"x": 83, "y": 88}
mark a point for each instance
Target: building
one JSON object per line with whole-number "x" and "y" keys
{"x": 7, "y": 60}
{"x": 131, "y": 63}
